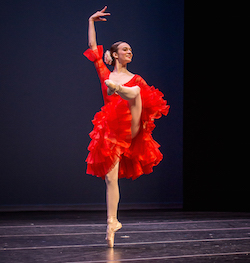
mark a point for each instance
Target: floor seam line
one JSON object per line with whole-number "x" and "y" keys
{"x": 168, "y": 257}
{"x": 127, "y": 244}
{"x": 131, "y": 232}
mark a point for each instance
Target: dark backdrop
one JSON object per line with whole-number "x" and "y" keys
{"x": 50, "y": 92}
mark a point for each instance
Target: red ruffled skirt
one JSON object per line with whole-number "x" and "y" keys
{"x": 111, "y": 137}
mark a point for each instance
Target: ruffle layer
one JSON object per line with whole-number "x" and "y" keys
{"x": 111, "y": 136}
{"x": 153, "y": 106}
{"x": 140, "y": 157}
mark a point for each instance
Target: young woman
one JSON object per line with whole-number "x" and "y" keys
{"x": 122, "y": 144}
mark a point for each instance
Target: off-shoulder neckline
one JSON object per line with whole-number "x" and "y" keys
{"x": 127, "y": 81}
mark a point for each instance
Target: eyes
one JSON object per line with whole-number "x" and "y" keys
{"x": 126, "y": 49}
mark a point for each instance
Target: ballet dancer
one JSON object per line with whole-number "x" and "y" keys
{"x": 122, "y": 145}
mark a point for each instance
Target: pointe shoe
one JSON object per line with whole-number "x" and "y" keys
{"x": 113, "y": 225}
{"x": 112, "y": 87}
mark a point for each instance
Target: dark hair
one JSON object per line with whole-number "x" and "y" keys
{"x": 114, "y": 48}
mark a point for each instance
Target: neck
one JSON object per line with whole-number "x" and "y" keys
{"x": 119, "y": 68}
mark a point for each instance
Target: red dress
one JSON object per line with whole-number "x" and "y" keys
{"x": 111, "y": 136}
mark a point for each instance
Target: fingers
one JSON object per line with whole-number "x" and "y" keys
{"x": 105, "y": 14}
{"x": 98, "y": 16}
{"x": 103, "y": 10}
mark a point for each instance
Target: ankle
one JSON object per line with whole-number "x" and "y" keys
{"x": 119, "y": 88}
{"x": 111, "y": 219}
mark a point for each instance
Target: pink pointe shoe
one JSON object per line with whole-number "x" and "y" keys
{"x": 112, "y": 87}
{"x": 113, "y": 225}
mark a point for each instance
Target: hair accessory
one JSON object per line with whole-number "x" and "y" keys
{"x": 107, "y": 58}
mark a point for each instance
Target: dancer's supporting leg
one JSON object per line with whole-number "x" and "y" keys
{"x": 112, "y": 192}
{"x": 132, "y": 95}
{"x": 112, "y": 199}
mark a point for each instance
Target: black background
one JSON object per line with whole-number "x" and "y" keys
{"x": 215, "y": 107}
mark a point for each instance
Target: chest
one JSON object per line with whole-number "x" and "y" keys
{"x": 120, "y": 78}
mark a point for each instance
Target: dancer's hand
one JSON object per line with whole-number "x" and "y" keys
{"x": 98, "y": 15}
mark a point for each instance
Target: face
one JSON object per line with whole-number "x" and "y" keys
{"x": 124, "y": 53}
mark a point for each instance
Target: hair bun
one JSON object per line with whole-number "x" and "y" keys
{"x": 107, "y": 58}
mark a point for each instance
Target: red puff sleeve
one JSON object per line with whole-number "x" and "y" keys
{"x": 96, "y": 57}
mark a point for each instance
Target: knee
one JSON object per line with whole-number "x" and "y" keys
{"x": 111, "y": 178}
{"x": 137, "y": 90}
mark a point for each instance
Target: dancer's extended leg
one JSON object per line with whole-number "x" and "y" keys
{"x": 135, "y": 109}
{"x": 112, "y": 199}
{"x": 127, "y": 93}
{"x": 133, "y": 96}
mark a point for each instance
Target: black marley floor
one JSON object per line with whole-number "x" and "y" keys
{"x": 146, "y": 236}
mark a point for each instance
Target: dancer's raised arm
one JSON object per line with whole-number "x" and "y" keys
{"x": 92, "y": 33}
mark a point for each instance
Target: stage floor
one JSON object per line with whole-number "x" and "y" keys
{"x": 146, "y": 236}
